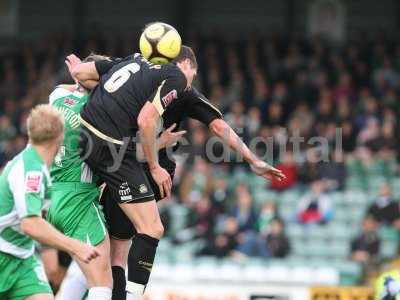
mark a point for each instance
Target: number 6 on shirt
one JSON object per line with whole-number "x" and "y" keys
{"x": 120, "y": 77}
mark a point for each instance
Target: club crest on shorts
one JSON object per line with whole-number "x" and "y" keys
{"x": 143, "y": 188}
{"x": 125, "y": 192}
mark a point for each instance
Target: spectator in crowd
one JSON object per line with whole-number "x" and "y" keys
{"x": 385, "y": 210}
{"x": 309, "y": 170}
{"x": 224, "y": 243}
{"x": 243, "y": 211}
{"x": 365, "y": 247}
{"x": 315, "y": 207}
{"x": 277, "y": 242}
{"x": 269, "y": 243}
{"x": 268, "y": 213}
{"x": 202, "y": 218}
{"x": 334, "y": 171}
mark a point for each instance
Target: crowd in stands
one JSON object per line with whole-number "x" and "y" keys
{"x": 342, "y": 101}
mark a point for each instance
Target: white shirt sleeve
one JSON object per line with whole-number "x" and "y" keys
{"x": 58, "y": 93}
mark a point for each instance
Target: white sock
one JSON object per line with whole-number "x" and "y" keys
{"x": 129, "y": 296}
{"x": 99, "y": 293}
{"x": 394, "y": 287}
{"x": 135, "y": 290}
{"x": 74, "y": 284}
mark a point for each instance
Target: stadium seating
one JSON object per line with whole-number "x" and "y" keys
{"x": 314, "y": 249}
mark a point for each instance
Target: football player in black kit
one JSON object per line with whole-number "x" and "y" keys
{"x": 174, "y": 101}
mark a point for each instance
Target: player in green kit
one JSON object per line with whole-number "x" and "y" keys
{"x": 24, "y": 185}
{"x": 75, "y": 196}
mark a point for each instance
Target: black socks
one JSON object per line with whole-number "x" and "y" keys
{"x": 119, "y": 292}
{"x": 141, "y": 258}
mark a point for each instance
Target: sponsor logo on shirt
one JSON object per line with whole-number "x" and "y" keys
{"x": 33, "y": 181}
{"x": 69, "y": 102}
{"x": 125, "y": 192}
{"x": 167, "y": 99}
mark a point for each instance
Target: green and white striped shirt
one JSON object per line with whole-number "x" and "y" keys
{"x": 24, "y": 185}
{"x": 68, "y": 166}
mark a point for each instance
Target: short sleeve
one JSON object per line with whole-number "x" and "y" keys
{"x": 103, "y": 66}
{"x": 26, "y": 188}
{"x": 168, "y": 91}
{"x": 58, "y": 93}
{"x": 199, "y": 108}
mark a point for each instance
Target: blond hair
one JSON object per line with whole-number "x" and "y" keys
{"x": 44, "y": 124}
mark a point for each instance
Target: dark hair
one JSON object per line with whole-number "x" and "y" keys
{"x": 95, "y": 57}
{"x": 186, "y": 53}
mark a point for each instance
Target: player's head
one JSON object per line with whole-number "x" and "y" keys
{"x": 187, "y": 62}
{"x": 45, "y": 126}
{"x": 95, "y": 57}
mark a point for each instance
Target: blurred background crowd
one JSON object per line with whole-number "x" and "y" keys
{"x": 340, "y": 199}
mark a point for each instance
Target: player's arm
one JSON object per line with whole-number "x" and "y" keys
{"x": 84, "y": 71}
{"x": 201, "y": 109}
{"x": 43, "y": 232}
{"x": 221, "y": 129}
{"x": 28, "y": 203}
{"x": 148, "y": 120}
{"x": 72, "y": 61}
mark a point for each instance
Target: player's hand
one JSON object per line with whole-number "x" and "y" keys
{"x": 84, "y": 252}
{"x": 163, "y": 180}
{"x": 71, "y": 61}
{"x": 169, "y": 138}
{"x": 261, "y": 168}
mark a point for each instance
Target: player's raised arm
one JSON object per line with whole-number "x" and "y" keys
{"x": 199, "y": 108}
{"x": 221, "y": 129}
{"x": 88, "y": 72}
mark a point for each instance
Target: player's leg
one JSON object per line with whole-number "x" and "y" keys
{"x": 119, "y": 258}
{"x": 98, "y": 273}
{"x": 121, "y": 233}
{"x": 74, "y": 285}
{"x": 75, "y": 212}
{"x": 129, "y": 185}
{"x": 146, "y": 219}
{"x": 54, "y": 271}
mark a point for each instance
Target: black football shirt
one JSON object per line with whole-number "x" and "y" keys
{"x": 123, "y": 90}
{"x": 192, "y": 104}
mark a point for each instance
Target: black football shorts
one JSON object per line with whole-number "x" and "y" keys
{"x": 125, "y": 178}
{"x": 119, "y": 225}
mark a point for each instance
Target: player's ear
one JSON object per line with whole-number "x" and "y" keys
{"x": 188, "y": 62}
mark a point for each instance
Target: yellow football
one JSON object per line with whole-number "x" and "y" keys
{"x": 160, "y": 43}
